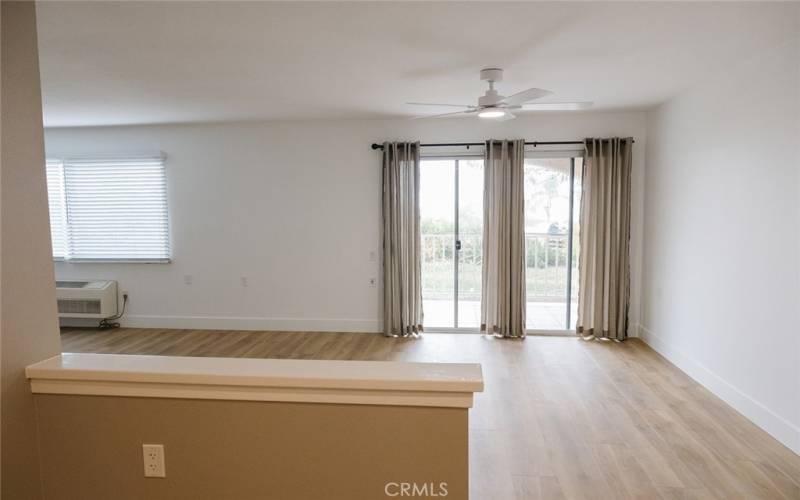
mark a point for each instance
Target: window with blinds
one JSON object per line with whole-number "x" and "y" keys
{"x": 109, "y": 209}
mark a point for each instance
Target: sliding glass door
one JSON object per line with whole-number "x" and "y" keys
{"x": 552, "y": 206}
{"x": 451, "y": 213}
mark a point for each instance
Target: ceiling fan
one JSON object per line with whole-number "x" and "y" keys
{"x": 494, "y": 106}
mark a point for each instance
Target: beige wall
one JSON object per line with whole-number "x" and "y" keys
{"x": 92, "y": 448}
{"x": 29, "y": 323}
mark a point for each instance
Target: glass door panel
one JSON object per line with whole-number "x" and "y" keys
{"x": 548, "y": 189}
{"x": 451, "y": 221}
{"x": 438, "y": 230}
{"x": 470, "y": 239}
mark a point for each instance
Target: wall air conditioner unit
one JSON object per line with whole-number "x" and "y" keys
{"x": 86, "y": 299}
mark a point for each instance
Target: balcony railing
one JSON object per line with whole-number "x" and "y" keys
{"x": 546, "y": 270}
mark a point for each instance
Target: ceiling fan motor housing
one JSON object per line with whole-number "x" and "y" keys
{"x": 490, "y": 98}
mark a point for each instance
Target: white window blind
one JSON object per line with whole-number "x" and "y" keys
{"x": 58, "y": 209}
{"x": 116, "y": 209}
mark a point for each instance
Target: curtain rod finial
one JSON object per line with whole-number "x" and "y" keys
{"x": 377, "y": 146}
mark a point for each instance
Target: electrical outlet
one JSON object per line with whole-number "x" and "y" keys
{"x": 244, "y": 281}
{"x": 154, "y": 465}
{"x": 373, "y": 282}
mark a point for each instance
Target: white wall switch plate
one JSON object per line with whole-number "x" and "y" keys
{"x": 154, "y": 465}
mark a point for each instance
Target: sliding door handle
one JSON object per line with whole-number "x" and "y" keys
{"x": 458, "y": 244}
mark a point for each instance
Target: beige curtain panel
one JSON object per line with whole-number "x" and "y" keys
{"x": 503, "y": 272}
{"x": 402, "y": 268}
{"x": 604, "y": 239}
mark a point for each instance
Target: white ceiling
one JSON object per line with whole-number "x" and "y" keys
{"x": 106, "y": 63}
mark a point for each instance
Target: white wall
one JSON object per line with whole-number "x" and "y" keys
{"x": 721, "y": 273}
{"x": 294, "y": 207}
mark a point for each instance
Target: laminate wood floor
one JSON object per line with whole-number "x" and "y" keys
{"x": 560, "y": 417}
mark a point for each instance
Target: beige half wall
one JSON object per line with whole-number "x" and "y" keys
{"x": 257, "y": 448}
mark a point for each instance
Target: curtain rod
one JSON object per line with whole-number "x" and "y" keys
{"x": 468, "y": 144}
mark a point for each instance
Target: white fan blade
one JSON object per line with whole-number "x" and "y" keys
{"x": 468, "y": 111}
{"x": 557, "y": 106}
{"x": 440, "y": 105}
{"x": 525, "y": 96}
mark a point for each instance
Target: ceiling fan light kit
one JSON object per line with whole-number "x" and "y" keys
{"x": 491, "y": 113}
{"x": 494, "y": 106}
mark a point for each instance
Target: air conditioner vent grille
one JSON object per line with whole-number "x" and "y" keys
{"x": 78, "y": 306}
{"x": 71, "y": 284}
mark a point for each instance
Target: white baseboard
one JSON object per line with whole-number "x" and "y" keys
{"x": 777, "y": 426}
{"x": 244, "y": 323}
